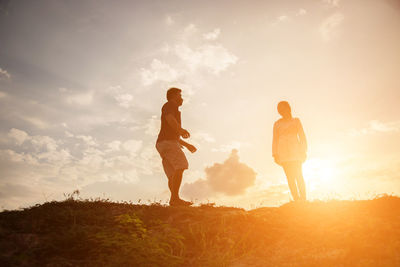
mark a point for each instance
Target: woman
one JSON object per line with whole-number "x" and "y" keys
{"x": 289, "y": 147}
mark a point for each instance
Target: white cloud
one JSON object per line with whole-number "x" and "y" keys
{"x": 331, "y": 3}
{"x": 114, "y": 145}
{"x": 169, "y": 20}
{"x": 212, "y": 35}
{"x": 301, "y": 12}
{"x": 18, "y": 157}
{"x": 280, "y": 19}
{"x": 189, "y": 30}
{"x": 39, "y": 123}
{"x": 19, "y": 136}
{"x": 87, "y": 139}
{"x": 214, "y": 58}
{"x": 68, "y": 134}
{"x": 158, "y": 71}
{"x": 329, "y": 27}
{"x": 231, "y": 178}
{"x": 40, "y": 141}
{"x": 4, "y": 75}
{"x": 188, "y": 59}
{"x": 37, "y": 141}
{"x": 124, "y": 100}
{"x": 132, "y": 146}
{"x": 203, "y": 137}
{"x": 376, "y": 126}
{"x": 42, "y": 148}
{"x": 229, "y": 147}
{"x": 83, "y": 99}
{"x": 152, "y": 127}
{"x": 283, "y": 18}
{"x": 54, "y": 156}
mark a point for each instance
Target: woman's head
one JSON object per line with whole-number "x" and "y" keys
{"x": 284, "y": 109}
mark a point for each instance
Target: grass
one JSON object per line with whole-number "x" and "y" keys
{"x": 104, "y": 233}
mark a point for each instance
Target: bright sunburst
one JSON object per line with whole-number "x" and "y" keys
{"x": 320, "y": 173}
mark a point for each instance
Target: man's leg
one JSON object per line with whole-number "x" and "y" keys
{"x": 291, "y": 177}
{"x": 170, "y": 173}
{"x": 175, "y": 182}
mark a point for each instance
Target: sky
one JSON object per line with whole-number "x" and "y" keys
{"x": 82, "y": 84}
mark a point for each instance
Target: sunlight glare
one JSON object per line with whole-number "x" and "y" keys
{"x": 319, "y": 172}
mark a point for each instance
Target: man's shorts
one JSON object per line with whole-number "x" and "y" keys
{"x": 172, "y": 156}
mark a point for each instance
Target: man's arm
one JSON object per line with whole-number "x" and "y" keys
{"x": 175, "y": 125}
{"x": 190, "y": 147}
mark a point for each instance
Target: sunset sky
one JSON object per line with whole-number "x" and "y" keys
{"x": 82, "y": 84}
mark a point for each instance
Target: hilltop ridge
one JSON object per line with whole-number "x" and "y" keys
{"x": 104, "y": 233}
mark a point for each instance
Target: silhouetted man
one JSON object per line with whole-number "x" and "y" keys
{"x": 169, "y": 145}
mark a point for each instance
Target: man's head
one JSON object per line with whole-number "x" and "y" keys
{"x": 174, "y": 94}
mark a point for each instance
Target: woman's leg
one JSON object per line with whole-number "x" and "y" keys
{"x": 290, "y": 171}
{"x": 300, "y": 181}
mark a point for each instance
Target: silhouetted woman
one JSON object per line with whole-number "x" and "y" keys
{"x": 289, "y": 147}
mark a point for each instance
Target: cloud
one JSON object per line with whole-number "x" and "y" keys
{"x": 38, "y": 142}
{"x": 8, "y": 155}
{"x": 204, "y": 137}
{"x": 4, "y": 75}
{"x": 114, "y": 145}
{"x": 212, "y": 35}
{"x": 60, "y": 165}
{"x": 10, "y": 190}
{"x": 169, "y": 20}
{"x": 124, "y": 100}
{"x": 87, "y": 139}
{"x": 189, "y": 30}
{"x": 39, "y": 148}
{"x": 331, "y": 3}
{"x": 230, "y": 178}
{"x": 132, "y": 146}
{"x": 152, "y": 126}
{"x": 19, "y": 136}
{"x": 158, "y": 71}
{"x": 83, "y": 99}
{"x": 329, "y": 27}
{"x": 187, "y": 58}
{"x": 282, "y": 18}
{"x": 376, "y": 126}
{"x": 39, "y": 123}
{"x": 229, "y": 147}
{"x": 42, "y": 141}
{"x": 199, "y": 189}
{"x": 301, "y": 12}
{"x": 214, "y": 58}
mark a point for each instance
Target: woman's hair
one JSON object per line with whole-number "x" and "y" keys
{"x": 282, "y": 106}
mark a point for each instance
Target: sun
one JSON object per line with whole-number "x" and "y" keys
{"x": 320, "y": 173}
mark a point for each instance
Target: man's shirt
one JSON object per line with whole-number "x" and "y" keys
{"x": 166, "y": 131}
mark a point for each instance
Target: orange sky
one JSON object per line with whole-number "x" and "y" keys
{"x": 82, "y": 85}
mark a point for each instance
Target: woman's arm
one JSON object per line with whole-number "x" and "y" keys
{"x": 275, "y": 138}
{"x": 302, "y": 137}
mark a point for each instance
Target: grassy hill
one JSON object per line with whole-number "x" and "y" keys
{"x": 103, "y": 233}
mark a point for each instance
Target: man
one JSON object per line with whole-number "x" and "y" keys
{"x": 169, "y": 145}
